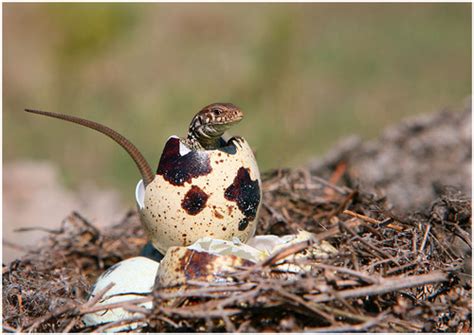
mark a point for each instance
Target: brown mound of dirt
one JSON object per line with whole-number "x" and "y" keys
{"x": 411, "y": 162}
{"x": 393, "y": 272}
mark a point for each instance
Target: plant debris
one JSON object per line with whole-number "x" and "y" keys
{"x": 394, "y": 270}
{"x": 389, "y": 275}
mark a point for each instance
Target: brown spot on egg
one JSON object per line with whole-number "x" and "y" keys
{"x": 217, "y": 214}
{"x": 246, "y": 193}
{"x": 205, "y": 265}
{"x": 177, "y": 169}
{"x": 194, "y": 201}
{"x": 195, "y": 263}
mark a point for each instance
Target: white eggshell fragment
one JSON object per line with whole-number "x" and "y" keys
{"x": 133, "y": 277}
{"x": 224, "y": 248}
{"x": 272, "y": 244}
{"x": 199, "y": 193}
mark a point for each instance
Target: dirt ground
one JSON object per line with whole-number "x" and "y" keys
{"x": 397, "y": 209}
{"x": 411, "y": 162}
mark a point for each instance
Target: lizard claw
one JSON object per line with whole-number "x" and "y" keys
{"x": 237, "y": 141}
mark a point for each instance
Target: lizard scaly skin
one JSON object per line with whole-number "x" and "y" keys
{"x": 207, "y": 127}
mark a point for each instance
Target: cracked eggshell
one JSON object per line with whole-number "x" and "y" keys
{"x": 134, "y": 275}
{"x": 199, "y": 193}
{"x": 208, "y": 259}
{"x": 272, "y": 244}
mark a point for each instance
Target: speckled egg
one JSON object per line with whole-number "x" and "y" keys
{"x": 199, "y": 193}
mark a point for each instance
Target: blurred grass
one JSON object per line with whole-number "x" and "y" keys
{"x": 305, "y": 74}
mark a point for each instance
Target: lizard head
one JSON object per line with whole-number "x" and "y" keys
{"x": 213, "y": 120}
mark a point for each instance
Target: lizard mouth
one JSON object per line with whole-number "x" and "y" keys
{"x": 219, "y": 128}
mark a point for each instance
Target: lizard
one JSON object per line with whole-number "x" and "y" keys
{"x": 208, "y": 125}
{"x": 204, "y": 133}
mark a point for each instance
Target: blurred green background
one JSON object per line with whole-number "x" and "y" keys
{"x": 306, "y": 75}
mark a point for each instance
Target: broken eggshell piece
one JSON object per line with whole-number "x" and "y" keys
{"x": 132, "y": 278}
{"x": 210, "y": 259}
{"x": 295, "y": 263}
{"x": 198, "y": 193}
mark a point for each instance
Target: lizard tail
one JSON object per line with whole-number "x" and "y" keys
{"x": 140, "y": 161}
